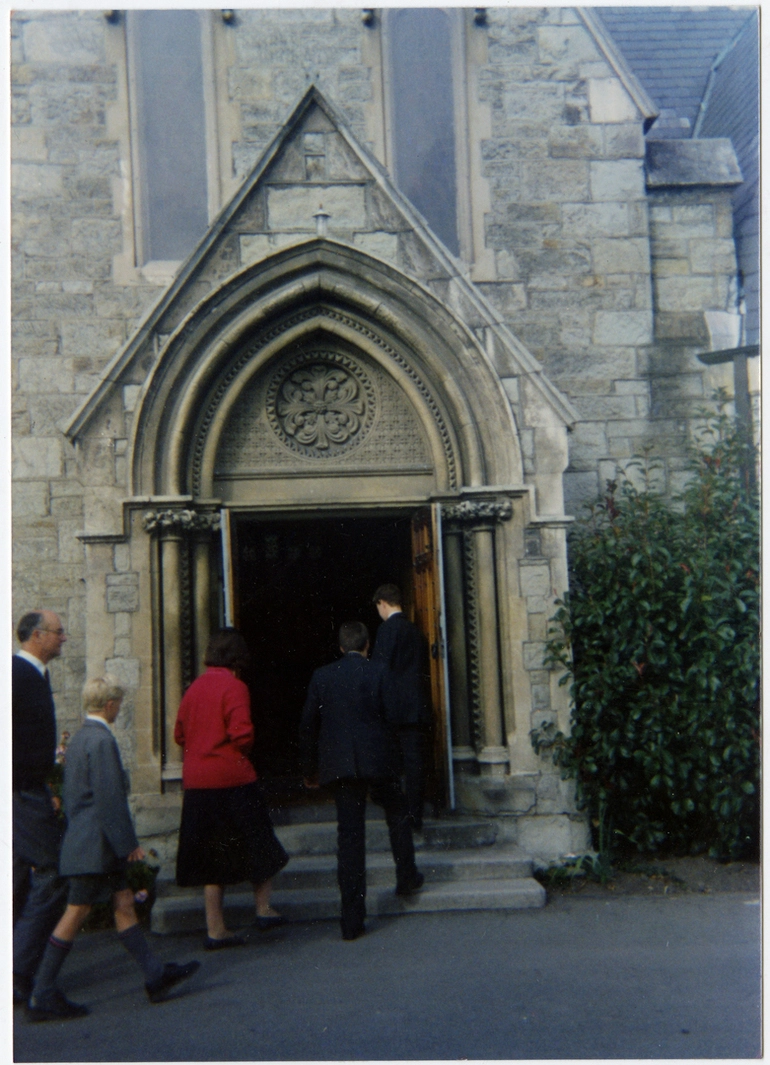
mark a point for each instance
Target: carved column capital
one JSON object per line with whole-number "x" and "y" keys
{"x": 180, "y": 521}
{"x": 472, "y": 511}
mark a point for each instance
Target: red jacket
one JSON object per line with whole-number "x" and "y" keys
{"x": 214, "y": 728}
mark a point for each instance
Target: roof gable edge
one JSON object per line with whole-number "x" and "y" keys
{"x": 618, "y": 62}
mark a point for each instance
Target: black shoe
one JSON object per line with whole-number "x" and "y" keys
{"x": 172, "y": 974}
{"x": 408, "y": 887}
{"x": 353, "y": 933}
{"x": 52, "y": 1005}
{"x": 22, "y": 989}
{"x": 224, "y": 943}
{"x": 264, "y": 924}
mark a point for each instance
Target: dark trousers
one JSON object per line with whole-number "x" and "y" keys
{"x": 350, "y": 797}
{"x": 39, "y": 892}
{"x": 412, "y": 743}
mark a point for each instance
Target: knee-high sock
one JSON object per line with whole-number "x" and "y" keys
{"x": 133, "y": 939}
{"x": 54, "y": 956}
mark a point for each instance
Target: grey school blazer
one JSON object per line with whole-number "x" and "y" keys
{"x": 99, "y": 827}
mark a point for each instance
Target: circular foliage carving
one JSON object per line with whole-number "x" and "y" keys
{"x": 321, "y": 403}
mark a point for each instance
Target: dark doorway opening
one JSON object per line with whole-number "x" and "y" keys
{"x": 295, "y": 583}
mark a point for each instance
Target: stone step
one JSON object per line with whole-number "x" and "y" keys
{"x": 185, "y": 913}
{"x": 320, "y": 870}
{"x": 321, "y": 837}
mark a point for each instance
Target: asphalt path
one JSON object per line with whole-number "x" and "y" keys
{"x": 582, "y": 978}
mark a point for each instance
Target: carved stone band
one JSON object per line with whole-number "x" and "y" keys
{"x": 179, "y": 520}
{"x": 478, "y": 510}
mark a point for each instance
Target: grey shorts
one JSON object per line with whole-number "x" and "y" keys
{"x": 95, "y": 887}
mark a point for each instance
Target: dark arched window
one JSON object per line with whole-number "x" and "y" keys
{"x": 169, "y": 132}
{"x": 423, "y": 115}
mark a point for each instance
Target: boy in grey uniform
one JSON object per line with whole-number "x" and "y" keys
{"x": 99, "y": 842}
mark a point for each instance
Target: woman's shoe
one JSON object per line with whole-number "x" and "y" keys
{"x": 222, "y": 944}
{"x": 264, "y": 924}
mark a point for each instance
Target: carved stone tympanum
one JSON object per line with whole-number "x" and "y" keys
{"x": 321, "y": 403}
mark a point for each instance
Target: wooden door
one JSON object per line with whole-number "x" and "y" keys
{"x": 430, "y": 619}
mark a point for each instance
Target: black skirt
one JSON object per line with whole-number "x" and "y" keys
{"x": 226, "y": 837}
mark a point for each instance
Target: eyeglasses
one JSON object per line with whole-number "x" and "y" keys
{"x": 55, "y": 632}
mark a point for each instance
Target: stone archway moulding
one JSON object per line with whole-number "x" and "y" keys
{"x": 335, "y": 289}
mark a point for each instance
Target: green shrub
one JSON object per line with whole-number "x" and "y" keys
{"x": 659, "y": 638}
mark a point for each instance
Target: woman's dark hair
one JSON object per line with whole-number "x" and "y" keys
{"x": 227, "y": 648}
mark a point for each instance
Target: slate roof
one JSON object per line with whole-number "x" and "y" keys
{"x": 731, "y": 108}
{"x": 671, "y": 50}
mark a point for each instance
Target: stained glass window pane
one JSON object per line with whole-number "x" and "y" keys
{"x": 424, "y": 116}
{"x": 170, "y": 122}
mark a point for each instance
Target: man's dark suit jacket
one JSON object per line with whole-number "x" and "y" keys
{"x": 99, "y": 826}
{"x": 33, "y": 726}
{"x": 343, "y": 733}
{"x": 400, "y": 647}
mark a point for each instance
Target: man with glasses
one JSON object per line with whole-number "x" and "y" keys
{"x": 39, "y": 893}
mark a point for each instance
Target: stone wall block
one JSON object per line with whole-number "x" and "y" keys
{"x": 595, "y": 219}
{"x": 34, "y": 542}
{"x": 70, "y": 548}
{"x": 588, "y": 443}
{"x": 595, "y": 408}
{"x": 562, "y": 50}
{"x": 66, "y": 37}
{"x": 534, "y": 654}
{"x": 28, "y": 145}
{"x": 556, "y": 180}
{"x": 623, "y": 327}
{"x": 617, "y": 180}
{"x": 36, "y": 457}
{"x": 30, "y": 499}
{"x": 537, "y": 626}
{"x": 686, "y": 293}
{"x": 254, "y": 247}
{"x": 381, "y": 245}
{"x": 291, "y": 209}
{"x": 32, "y": 181}
{"x": 122, "y": 647}
{"x": 96, "y": 236}
{"x": 621, "y": 256}
{"x": 575, "y": 142}
{"x": 127, "y": 670}
{"x": 97, "y": 337}
{"x": 712, "y": 256}
{"x": 534, "y": 578}
{"x": 541, "y": 697}
{"x": 122, "y": 592}
{"x": 624, "y": 141}
{"x": 609, "y": 101}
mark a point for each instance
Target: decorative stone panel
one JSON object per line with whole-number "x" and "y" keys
{"x": 122, "y": 592}
{"x": 317, "y": 409}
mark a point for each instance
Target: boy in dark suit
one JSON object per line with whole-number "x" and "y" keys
{"x": 98, "y": 844}
{"x": 346, "y": 743}
{"x": 400, "y": 647}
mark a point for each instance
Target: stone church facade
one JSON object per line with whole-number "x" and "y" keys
{"x": 321, "y": 393}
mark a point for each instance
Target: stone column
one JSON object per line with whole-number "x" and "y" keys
{"x": 493, "y": 756}
{"x": 178, "y": 630}
{"x": 479, "y": 517}
{"x": 202, "y": 596}
{"x": 462, "y": 746}
{"x": 170, "y": 552}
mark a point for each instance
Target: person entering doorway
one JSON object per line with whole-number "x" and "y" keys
{"x": 401, "y": 648}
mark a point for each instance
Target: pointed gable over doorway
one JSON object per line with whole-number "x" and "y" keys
{"x": 313, "y": 178}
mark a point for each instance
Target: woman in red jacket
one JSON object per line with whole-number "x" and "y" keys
{"x": 226, "y": 836}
